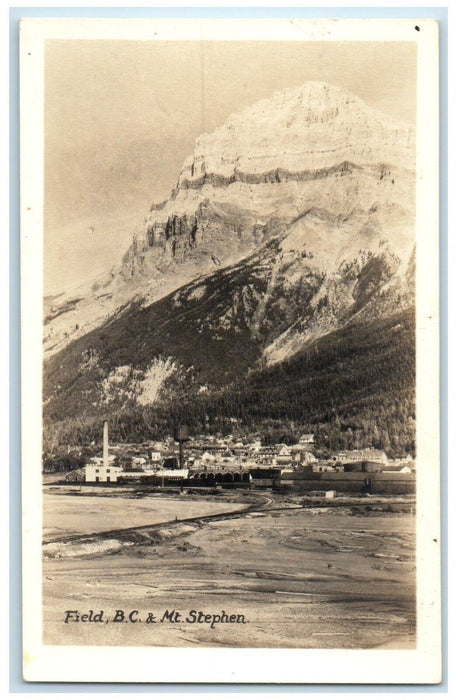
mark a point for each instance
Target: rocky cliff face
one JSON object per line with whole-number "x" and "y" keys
{"x": 305, "y": 199}
{"x": 303, "y": 130}
{"x": 316, "y": 146}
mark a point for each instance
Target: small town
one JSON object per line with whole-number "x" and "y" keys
{"x": 206, "y": 461}
{"x": 320, "y": 539}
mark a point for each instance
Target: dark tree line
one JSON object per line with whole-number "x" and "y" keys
{"x": 354, "y": 388}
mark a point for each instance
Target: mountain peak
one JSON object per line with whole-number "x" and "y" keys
{"x": 312, "y": 93}
{"x": 309, "y": 163}
{"x": 306, "y": 128}
{"x": 314, "y": 101}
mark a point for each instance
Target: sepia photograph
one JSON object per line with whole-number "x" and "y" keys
{"x": 232, "y": 373}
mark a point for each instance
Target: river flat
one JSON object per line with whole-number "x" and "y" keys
{"x": 298, "y": 577}
{"x": 65, "y": 515}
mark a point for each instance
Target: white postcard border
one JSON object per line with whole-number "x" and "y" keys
{"x": 140, "y": 664}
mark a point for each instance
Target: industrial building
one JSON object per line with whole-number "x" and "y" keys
{"x": 276, "y": 466}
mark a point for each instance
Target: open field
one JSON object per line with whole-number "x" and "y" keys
{"x": 71, "y": 514}
{"x": 292, "y": 576}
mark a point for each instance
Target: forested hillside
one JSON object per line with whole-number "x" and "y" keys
{"x": 352, "y": 388}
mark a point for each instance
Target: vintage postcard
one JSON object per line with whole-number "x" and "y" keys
{"x": 230, "y": 359}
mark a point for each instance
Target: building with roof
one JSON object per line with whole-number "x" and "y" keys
{"x": 306, "y": 439}
{"x": 364, "y": 455}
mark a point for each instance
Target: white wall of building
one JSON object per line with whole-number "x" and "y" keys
{"x": 98, "y": 473}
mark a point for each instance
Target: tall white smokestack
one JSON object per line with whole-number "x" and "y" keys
{"x": 105, "y": 445}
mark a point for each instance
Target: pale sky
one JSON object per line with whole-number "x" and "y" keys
{"x": 121, "y": 117}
